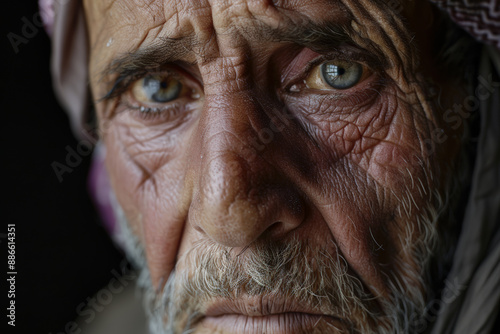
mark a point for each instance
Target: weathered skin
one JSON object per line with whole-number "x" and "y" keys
{"x": 255, "y": 151}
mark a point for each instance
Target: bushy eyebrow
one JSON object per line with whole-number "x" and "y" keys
{"x": 318, "y": 37}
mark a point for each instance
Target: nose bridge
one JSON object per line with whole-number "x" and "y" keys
{"x": 229, "y": 122}
{"x": 229, "y": 171}
{"x": 238, "y": 194}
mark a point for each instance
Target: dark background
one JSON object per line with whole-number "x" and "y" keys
{"x": 63, "y": 254}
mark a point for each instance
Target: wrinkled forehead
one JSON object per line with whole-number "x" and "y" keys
{"x": 132, "y": 22}
{"x": 177, "y": 18}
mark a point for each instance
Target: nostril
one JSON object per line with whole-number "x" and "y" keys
{"x": 198, "y": 228}
{"x": 276, "y": 229}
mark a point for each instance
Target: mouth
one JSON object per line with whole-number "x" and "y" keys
{"x": 267, "y": 314}
{"x": 283, "y": 323}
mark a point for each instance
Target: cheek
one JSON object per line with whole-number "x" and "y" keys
{"x": 383, "y": 136}
{"x": 135, "y": 154}
{"x": 374, "y": 175}
{"x": 149, "y": 148}
{"x": 147, "y": 173}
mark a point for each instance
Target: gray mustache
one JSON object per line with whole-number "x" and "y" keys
{"x": 292, "y": 270}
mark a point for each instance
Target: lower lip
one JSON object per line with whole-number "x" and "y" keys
{"x": 283, "y": 323}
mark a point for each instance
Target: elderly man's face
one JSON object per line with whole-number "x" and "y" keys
{"x": 281, "y": 163}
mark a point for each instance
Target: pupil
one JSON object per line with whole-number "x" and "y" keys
{"x": 161, "y": 89}
{"x": 341, "y": 74}
{"x": 335, "y": 70}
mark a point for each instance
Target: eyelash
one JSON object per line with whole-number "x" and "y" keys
{"x": 122, "y": 84}
{"x": 154, "y": 114}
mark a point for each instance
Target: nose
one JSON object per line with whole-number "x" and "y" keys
{"x": 241, "y": 191}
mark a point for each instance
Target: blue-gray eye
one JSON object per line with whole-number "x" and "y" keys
{"x": 341, "y": 74}
{"x": 160, "y": 88}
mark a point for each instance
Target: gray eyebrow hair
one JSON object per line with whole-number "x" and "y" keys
{"x": 318, "y": 37}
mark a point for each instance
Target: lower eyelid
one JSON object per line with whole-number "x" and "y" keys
{"x": 171, "y": 114}
{"x": 368, "y": 83}
{"x": 347, "y": 100}
{"x": 150, "y": 109}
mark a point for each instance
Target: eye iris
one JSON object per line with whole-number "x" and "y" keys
{"x": 341, "y": 74}
{"x": 161, "y": 89}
